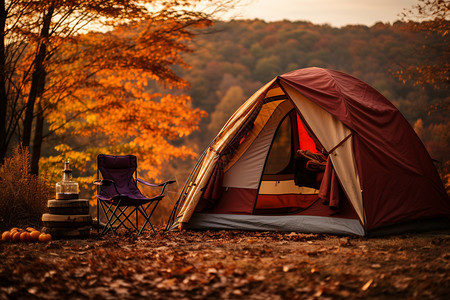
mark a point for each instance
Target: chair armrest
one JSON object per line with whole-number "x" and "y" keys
{"x": 156, "y": 185}
{"x": 106, "y": 182}
{"x": 147, "y": 183}
{"x": 153, "y": 184}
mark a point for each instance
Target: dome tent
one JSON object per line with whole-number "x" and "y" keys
{"x": 378, "y": 178}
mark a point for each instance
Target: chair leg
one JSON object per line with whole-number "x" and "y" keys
{"x": 147, "y": 217}
{"x": 109, "y": 218}
{"x": 126, "y": 217}
{"x": 98, "y": 217}
{"x": 147, "y": 221}
{"x": 113, "y": 214}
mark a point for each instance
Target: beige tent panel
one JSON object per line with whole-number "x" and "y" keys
{"x": 331, "y": 132}
{"x": 246, "y": 172}
{"x": 260, "y": 122}
{"x": 284, "y": 187}
{"x": 344, "y": 163}
{"x": 274, "y": 91}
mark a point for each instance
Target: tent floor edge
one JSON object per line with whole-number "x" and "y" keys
{"x": 291, "y": 223}
{"x": 415, "y": 226}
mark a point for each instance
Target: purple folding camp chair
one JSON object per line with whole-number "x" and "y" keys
{"x": 119, "y": 196}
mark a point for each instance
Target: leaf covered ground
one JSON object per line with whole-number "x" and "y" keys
{"x": 228, "y": 265}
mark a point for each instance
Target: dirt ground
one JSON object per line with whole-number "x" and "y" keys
{"x": 228, "y": 265}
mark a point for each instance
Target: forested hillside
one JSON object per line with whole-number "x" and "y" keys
{"x": 235, "y": 58}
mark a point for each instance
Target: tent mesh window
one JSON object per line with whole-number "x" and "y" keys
{"x": 280, "y": 158}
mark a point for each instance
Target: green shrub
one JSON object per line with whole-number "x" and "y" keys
{"x": 23, "y": 197}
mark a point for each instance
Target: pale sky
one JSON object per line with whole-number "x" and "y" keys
{"x": 337, "y": 13}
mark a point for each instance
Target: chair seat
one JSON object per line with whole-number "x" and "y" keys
{"x": 123, "y": 200}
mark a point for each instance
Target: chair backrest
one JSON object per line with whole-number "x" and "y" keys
{"x": 119, "y": 169}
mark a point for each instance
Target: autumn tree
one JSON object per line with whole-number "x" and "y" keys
{"x": 58, "y": 79}
{"x": 31, "y": 33}
{"x": 432, "y": 19}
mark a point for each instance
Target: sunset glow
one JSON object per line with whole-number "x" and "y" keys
{"x": 335, "y": 13}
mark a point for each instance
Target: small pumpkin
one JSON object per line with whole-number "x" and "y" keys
{"x": 45, "y": 237}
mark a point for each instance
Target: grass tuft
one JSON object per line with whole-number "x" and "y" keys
{"x": 23, "y": 196}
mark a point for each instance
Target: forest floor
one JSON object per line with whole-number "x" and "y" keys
{"x": 228, "y": 265}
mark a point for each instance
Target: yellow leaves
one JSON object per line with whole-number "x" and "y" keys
{"x": 91, "y": 118}
{"x": 63, "y": 148}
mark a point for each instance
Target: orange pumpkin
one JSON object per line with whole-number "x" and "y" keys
{"x": 25, "y": 236}
{"x": 34, "y": 236}
{"x": 6, "y": 236}
{"x": 45, "y": 237}
{"x": 16, "y": 237}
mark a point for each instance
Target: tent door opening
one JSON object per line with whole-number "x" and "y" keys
{"x": 287, "y": 185}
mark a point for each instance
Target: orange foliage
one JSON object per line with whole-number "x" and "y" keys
{"x": 96, "y": 92}
{"x": 105, "y": 99}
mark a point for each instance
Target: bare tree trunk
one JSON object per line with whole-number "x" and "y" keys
{"x": 36, "y": 90}
{"x": 37, "y": 141}
{"x": 38, "y": 78}
{"x": 3, "y": 98}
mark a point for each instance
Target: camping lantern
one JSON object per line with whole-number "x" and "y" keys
{"x": 68, "y": 216}
{"x": 67, "y": 189}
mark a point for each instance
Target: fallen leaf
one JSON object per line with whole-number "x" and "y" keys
{"x": 344, "y": 242}
{"x": 186, "y": 269}
{"x": 403, "y": 283}
{"x": 211, "y": 271}
{"x": 167, "y": 284}
{"x": 237, "y": 292}
{"x": 366, "y": 286}
{"x": 287, "y": 268}
{"x": 375, "y": 266}
{"x": 319, "y": 292}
